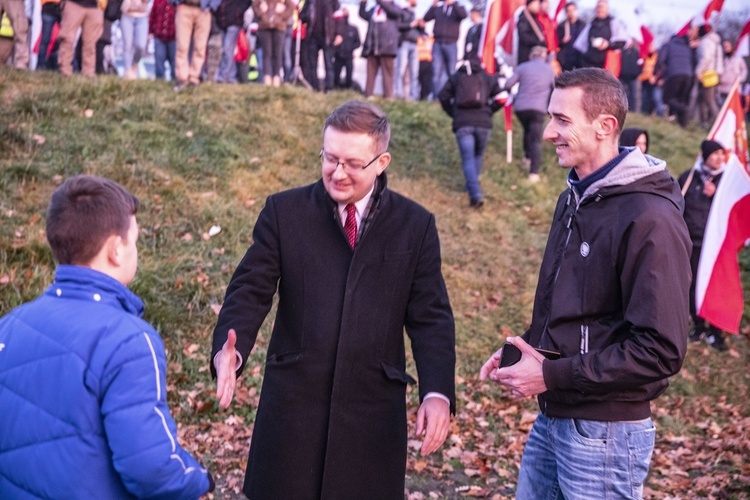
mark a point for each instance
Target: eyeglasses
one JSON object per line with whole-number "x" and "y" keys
{"x": 331, "y": 161}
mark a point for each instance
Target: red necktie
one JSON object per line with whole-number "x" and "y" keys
{"x": 350, "y": 226}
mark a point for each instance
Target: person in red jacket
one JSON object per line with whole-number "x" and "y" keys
{"x": 161, "y": 26}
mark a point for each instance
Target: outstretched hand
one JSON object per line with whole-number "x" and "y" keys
{"x": 436, "y": 414}
{"x": 226, "y": 374}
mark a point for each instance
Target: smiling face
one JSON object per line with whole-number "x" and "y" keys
{"x": 716, "y": 160}
{"x": 572, "y": 132}
{"x": 351, "y": 185}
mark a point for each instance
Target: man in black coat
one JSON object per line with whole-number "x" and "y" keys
{"x": 354, "y": 264}
{"x": 530, "y": 31}
{"x": 447, "y": 15}
{"x": 321, "y": 32}
{"x": 567, "y": 32}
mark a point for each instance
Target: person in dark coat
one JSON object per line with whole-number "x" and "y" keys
{"x": 611, "y": 302}
{"x": 344, "y": 46}
{"x": 320, "y": 34}
{"x": 354, "y": 264}
{"x": 447, "y": 15}
{"x": 698, "y": 187}
{"x": 381, "y": 43}
{"x": 229, "y": 19}
{"x": 567, "y": 32}
{"x": 530, "y": 31}
{"x": 472, "y": 125}
{"x": 604, "y": 33}
{"x": 675, "y": 66}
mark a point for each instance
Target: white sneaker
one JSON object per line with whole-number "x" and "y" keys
{"x": 534, "y": 178}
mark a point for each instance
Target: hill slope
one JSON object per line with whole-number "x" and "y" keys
{"x": 209, "y": 156}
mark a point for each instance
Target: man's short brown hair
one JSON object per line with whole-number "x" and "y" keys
{"x": 84, "y": 212}
{"x": 362, "y": 118}
{"x": 603, "y": 94}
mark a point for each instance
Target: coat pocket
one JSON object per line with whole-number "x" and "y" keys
{"x": 396, "y": 374}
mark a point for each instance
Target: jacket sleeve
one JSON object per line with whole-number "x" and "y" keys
{"x": 447, "y": 94}
{"x": 458, "y": 12}
{"x": 430, "y": 14}
{"x": 250, "y": 291}
{"x": 654, "y": 267}
{"x": 392, "y": 10}
{"x": 363, "y": 12}
{"x": 139, "y": 427}
{"x": 429, "y": 321}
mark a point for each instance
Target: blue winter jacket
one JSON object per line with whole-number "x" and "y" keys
{"x": 83, "y": 411}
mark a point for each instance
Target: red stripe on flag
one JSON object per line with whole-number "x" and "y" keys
{"x": 723, "y": 304}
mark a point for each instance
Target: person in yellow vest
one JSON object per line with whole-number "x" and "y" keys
{"x": 651, "y": 94}
{"x": 424, "y": 54}
{"x": 6, "y": 40}
{"x": 15, "y": 10}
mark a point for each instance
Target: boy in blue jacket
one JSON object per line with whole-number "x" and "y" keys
{"x": 82, "y": 376}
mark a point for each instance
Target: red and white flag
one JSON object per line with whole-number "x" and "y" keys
{"x": 558, "y": 9}
{"x": 498, "y": 29}
{"x": 703, "y": 16}
{"x": 718, "y": 289}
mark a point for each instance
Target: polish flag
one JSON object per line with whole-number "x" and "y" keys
{"x": 718, "y": 290}
{"x": 558, "y": 9}
{"x": 702, "y": 17}
{"x": 498, "y": 29}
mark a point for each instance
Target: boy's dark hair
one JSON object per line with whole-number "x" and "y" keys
{"x": 602, "y": 92}
{"x": 362, "y": 118}
{"x": 83, "y": 212}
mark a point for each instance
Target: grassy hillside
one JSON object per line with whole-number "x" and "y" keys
{"x": 209, "y": 156}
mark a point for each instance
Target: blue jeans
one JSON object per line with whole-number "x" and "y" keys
{"x": 48, "y": 23}
{"x": 583, "y": 459}
{"x": 471, "y": 144}
{"x": 407, "y": 58}
{"x": 227, "y": 67}
{"x": 134, "y": 39}
{"x": 444, "y": 57}
{"x": 163, "y": 52}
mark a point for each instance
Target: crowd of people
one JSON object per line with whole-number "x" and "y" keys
{"x": 272, "y": 41}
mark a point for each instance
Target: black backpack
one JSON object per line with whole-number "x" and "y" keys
{"x": 471, "y": 89}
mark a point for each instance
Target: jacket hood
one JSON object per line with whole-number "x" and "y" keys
{"x": 637, "y": 173}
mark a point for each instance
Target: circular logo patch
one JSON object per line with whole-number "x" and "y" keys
{"x": 585, "y": 249}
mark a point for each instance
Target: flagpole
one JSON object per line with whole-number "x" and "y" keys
{"x": 723, "y": 111}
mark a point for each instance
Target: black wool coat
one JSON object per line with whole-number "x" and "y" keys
{"x": 331, "y": 422}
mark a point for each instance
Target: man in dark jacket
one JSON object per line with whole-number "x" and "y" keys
{"x": 381, "y": 43}
{"x": 407, "y": 60}
{"x": 567, "y": 32}
{"x": 447, "y": 15}
{"x": 675, "y": 66}
{"x": 320, "y": 34}
{"x": 611, "y": 301}
{"x": 530, "y": 31}
{"x": 699, "y": 186}
{"x": 344, "y": 46}
{"x": 472, "y": 121}
{"x": 603, "y": 34}
{"x": 354, "y": 264}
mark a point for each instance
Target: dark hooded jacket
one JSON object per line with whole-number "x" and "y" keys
{"x": 612, "y": 295}
{"x": 382, "y": 36}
